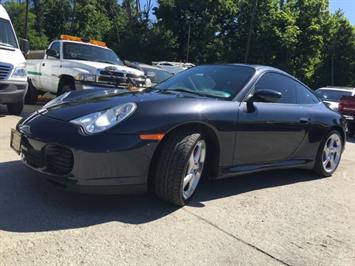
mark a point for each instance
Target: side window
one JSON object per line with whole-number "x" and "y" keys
{"x": 280, "y": 83}
{"x": 305, "y": 96}
{"x": 56, "y": 47}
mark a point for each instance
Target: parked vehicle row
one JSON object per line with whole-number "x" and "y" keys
{"x": 173, "y": 67}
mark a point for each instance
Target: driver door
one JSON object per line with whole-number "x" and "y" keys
{"x": 273, "y": 131}
{"x": 51, "y": 70}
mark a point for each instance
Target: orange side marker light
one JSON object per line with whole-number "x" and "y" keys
{"x": 158, "y": 136}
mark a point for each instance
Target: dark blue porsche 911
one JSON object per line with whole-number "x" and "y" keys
{"x": 211, "y": 121}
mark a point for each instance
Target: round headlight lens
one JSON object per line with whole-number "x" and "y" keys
{"x": 100, "y": 121}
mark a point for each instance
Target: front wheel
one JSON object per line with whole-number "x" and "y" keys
{"x": 15, "y": 108}
{"x": 329, "y": 154}
{"x": 32, "y": 94}
{"x": 180, "y": 166}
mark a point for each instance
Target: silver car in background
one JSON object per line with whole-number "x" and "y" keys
{"x": 331, "y": 95}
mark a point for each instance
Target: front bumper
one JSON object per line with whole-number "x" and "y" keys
{"x": 104, "y": 163}
{"x": 12, "y": 91}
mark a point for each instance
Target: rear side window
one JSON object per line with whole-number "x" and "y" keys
{"x": 280, "y": 83}
{"x": 304, "y": 95}
{"x": 7, "y": 36}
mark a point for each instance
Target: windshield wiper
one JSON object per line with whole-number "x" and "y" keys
{"x": 79, "y": 58}
{"x": 104, "y": 61}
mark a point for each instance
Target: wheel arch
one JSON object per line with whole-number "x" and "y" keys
{"x": 342, "y": 133}
{"x": 213, "y": 153}
{"x": 65, "y": 79}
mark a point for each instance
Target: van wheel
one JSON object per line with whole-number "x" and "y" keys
{"x": 65, "y": 84}
{"x": 32, "y": 94}
{"x": 15, "y": 108}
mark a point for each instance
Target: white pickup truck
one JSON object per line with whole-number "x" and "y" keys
{"x": 72, "y": 64}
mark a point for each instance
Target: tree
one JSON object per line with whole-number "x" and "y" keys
{"x": 37, "y": 39}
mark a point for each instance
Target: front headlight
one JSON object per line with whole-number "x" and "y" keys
{"x": 86, "y": 77}
{"x": 20, "y": 72}
{"x": 101, "y": 121}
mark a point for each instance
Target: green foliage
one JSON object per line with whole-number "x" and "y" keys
{"x": 298, "y": 36}
{"x": 38, "y": 39}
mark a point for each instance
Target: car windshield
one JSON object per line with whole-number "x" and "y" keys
{"x": 85, "y": 52}
{"x": 332, "y": 95}
{"x": 221, "y": 81}
{"x": 7, "y": 35}
{"x": 155, "y": 75}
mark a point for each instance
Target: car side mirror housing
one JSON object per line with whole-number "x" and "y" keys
{"x": 52, "y": 53}
{"x": 266, "y": 96}
{"x": 24, "y": 46}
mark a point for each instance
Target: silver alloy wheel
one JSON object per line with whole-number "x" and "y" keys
{"x": 331, "y": 153}
{"x": 194, "y": 169}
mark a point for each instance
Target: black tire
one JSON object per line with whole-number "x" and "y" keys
{"x": 65, "y": 84}
{"x": 351, "y": 132}
{"x": 15, "y": 108}
{"x": 172, "y": 163}
{"x": 32, "y": 94}
{"x": 318, "y": 166}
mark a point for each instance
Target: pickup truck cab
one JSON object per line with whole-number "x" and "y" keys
{"x": 347, "y": 109}
{"x": 72, "y": 64}
{"x": 13, "y": 76}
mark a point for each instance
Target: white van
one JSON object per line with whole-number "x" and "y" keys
{"x": 13, "y": 75}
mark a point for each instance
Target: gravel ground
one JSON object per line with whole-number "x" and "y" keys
{"x": 279, "y": 217}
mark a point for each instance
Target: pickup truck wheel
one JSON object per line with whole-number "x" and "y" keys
{"x": 32, "y": 94}
{"x": 65, "y": 85}
{"x": 15, "y": 108}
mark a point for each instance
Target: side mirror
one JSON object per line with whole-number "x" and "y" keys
{"x": 52, "y": 53}
{"x": 266, "y": 96}
{"x": 24, "y": 46}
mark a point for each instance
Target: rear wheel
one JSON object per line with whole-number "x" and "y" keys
{"x": 180, "y": 166}
{"x": 15, "y": 108}
{"x": 329, "y": 154}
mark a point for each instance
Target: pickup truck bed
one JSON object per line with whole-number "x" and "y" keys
{"x": 347, "y": 108}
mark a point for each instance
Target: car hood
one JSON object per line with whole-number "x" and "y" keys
{"x": 93, "y": 66}
{"x": 80, "y": 103}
